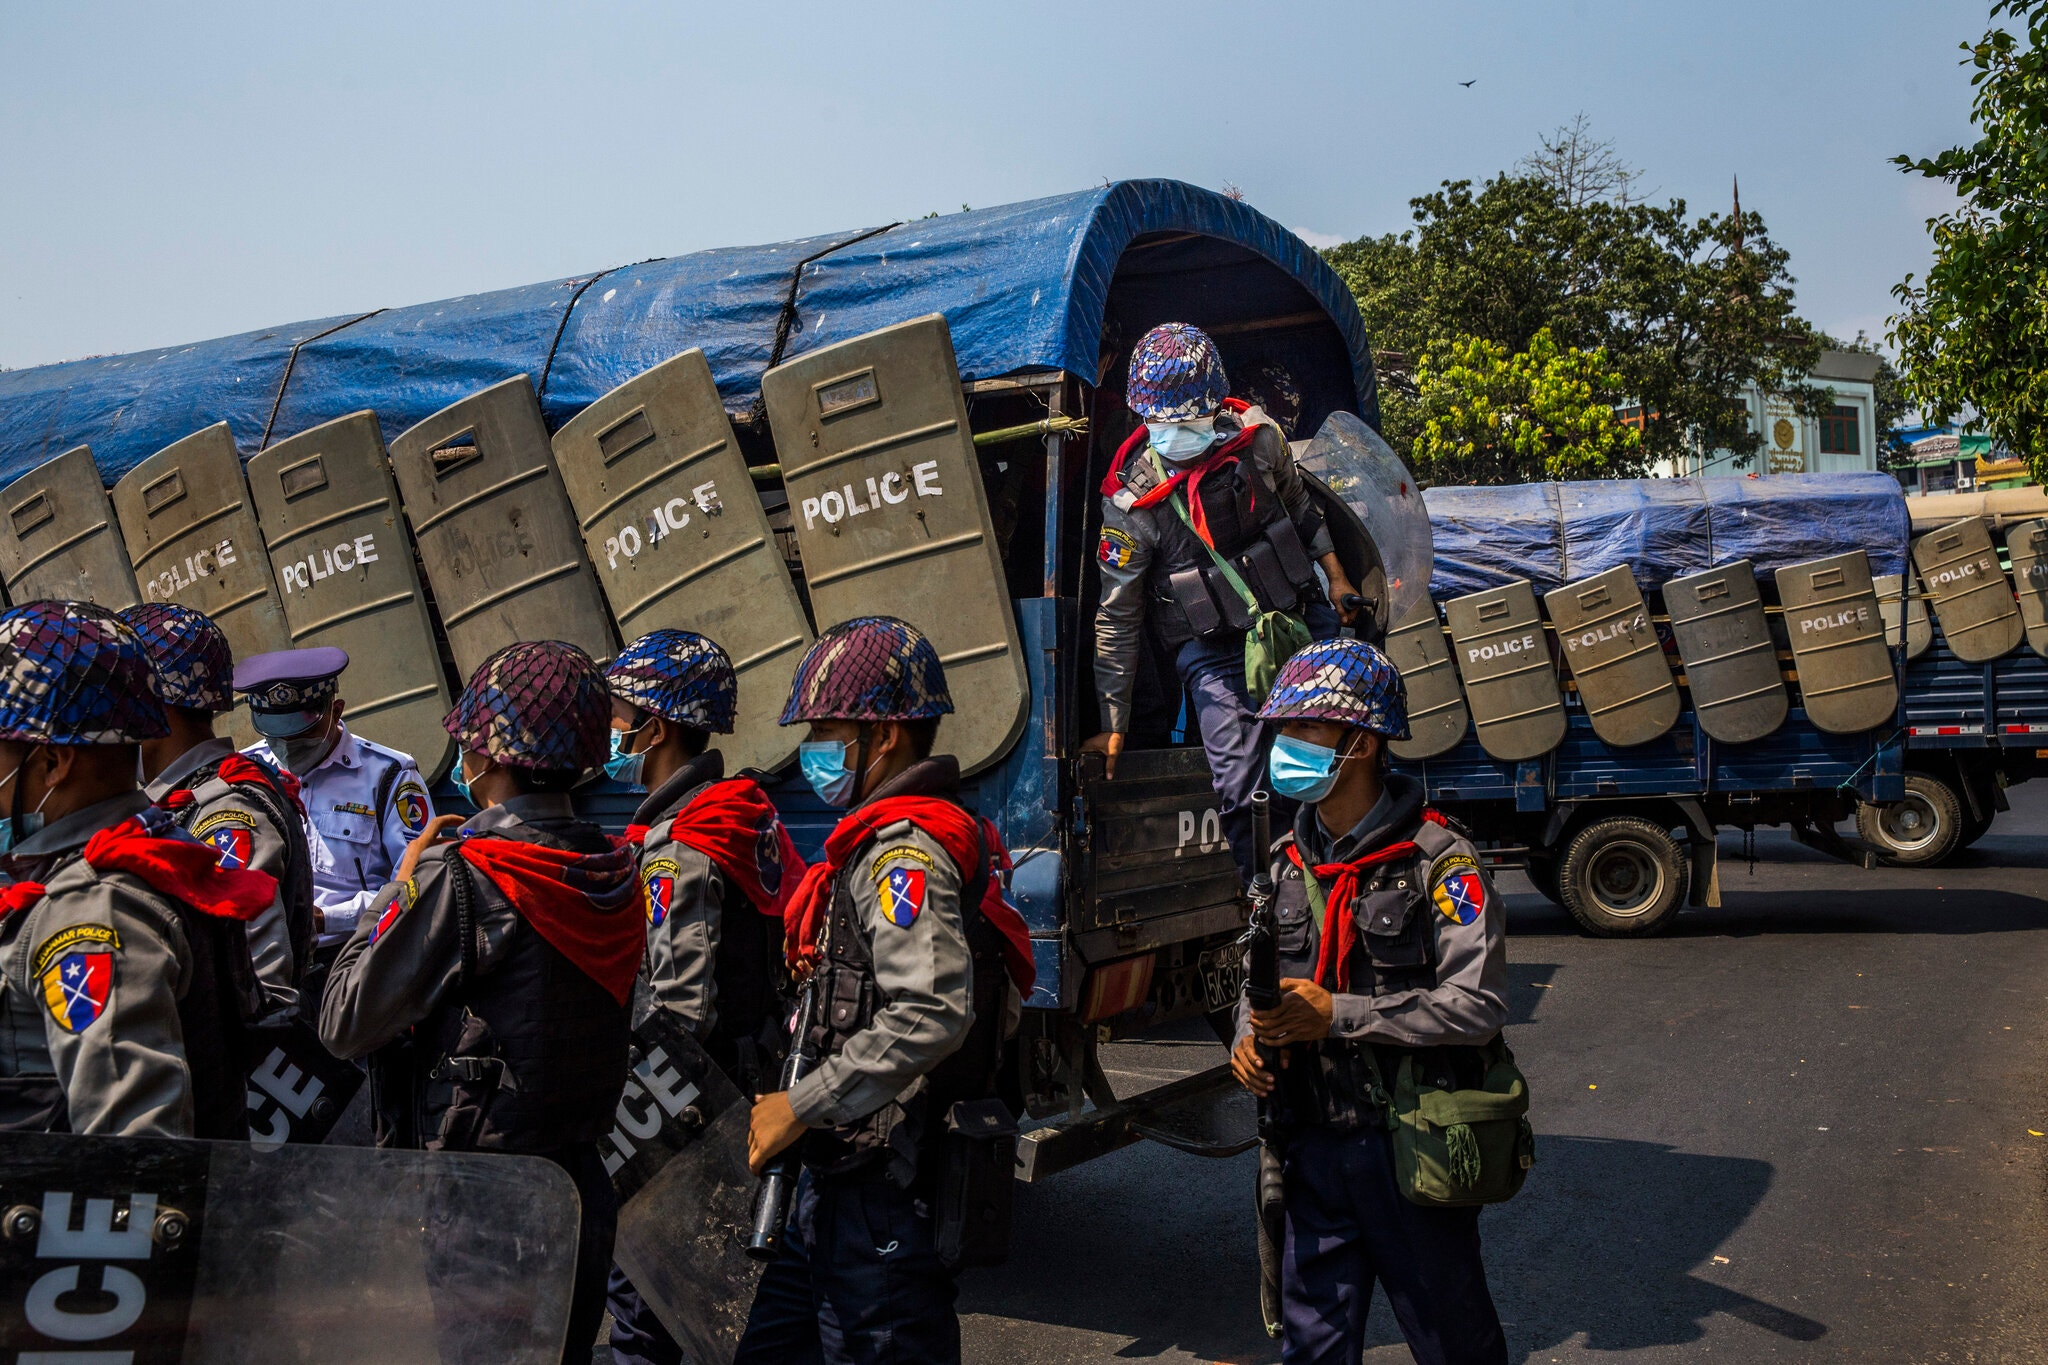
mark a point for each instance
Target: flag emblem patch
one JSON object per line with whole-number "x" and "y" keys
{"x": 1116, "y": 549}
{"x": 1460, "y": 893}
{"x": 76, "y": 989}
{"x": 902, "y": 895}
{"x": 661, "y": 896}
{"x": 411, "y": 804}
{"x": 233, "y": 847}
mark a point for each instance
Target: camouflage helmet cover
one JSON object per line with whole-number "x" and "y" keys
{"x": 678, "y": 675}
{"x": 194, "y": 666}
{"x": 1176, "y": 375}
{"x": 869, "y": 668}
{"x": 74, "y": 673}
{"x": 538, "y": 704}
{"x": 1348, "y": 682}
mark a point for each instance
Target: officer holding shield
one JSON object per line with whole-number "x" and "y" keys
{"x": 125, "y": 980}
{"x": 1393, "y": 951}
{"x": 716, "y": 868}
{"x": 364, "y": 802}
{"x": 245, "y": 810}
{"x": 1202, "y": 509}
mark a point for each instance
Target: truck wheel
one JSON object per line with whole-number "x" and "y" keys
{"x": 1623, "y": 877}
{"x": 1542, "y": 874}
{"x": 1919, "y": 830}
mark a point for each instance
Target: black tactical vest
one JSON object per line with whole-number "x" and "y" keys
{"x": 527, "y": 1053}
{"x": 297, "y": 881}
{"x": 847, "y": 1001}
{"x": 745, "y": 1041}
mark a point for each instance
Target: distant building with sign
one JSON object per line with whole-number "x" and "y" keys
{"x": 1943, "y": 460}
{"x": 1843, "y": 440}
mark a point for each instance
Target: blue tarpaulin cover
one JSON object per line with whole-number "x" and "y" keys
{"x": 1024, "y": 287}
{"x": 1557, "y": 533}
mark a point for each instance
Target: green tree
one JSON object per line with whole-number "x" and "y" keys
{"x": 1973, "y": 337}
{"x": 1488, "y": 416}
{"x": 1688, "y": 311}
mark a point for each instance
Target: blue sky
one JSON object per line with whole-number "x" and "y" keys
{"x": 174, "y": 172}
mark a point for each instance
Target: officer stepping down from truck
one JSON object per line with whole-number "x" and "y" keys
{"x": 920, "y": 970}
{"x": 1191, "y": 528}
{"x": 491, "y": 980}
{"x": 125, "y": 980}
{"x": 245, "y": 810}
{"x": 1394, "y": 983}
{"x": 716, "y": 869}
{"x": 364, "y": 803}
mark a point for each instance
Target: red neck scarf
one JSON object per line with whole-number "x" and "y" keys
{"x": 734, "y": 824}
{"x": 241, "y": 770}
{"x": 181, "y": 868}
{"x": 579, "y": 902}
{"x": 1340, "y": 926}
{"x": 955, "y": 830}
{"x": 1191, "y": 475}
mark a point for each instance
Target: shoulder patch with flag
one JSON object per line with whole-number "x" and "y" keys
{"x": 659, "y": 882}
{"x": 231, "y": 834}
{"x": 401, "y": 899}
{"x": 1458, "y": 889}
{"x": 77, "y": 987}
{"x": 1116, "y": 549}
{"x": 900, "y": 882}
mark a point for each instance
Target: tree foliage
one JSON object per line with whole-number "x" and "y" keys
{"x": 1488, "y": 416}
{"x": 1973, "y": 337}
{"x": 1686, "y": 311}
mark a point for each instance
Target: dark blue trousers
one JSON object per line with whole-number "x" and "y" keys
{"x": 858, "y": 1283}
{"x": 1348, "y": 1226}
{"x": 638, "y": 1338}
{"x": 1232, "y": 737}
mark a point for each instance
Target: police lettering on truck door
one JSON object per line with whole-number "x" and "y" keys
{"x": 662, "y": 521}
{"x": 836, "y": 504}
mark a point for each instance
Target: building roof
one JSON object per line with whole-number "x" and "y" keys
{"x": 1854, "y": 366}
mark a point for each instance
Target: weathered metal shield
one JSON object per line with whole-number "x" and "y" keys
{"x": 1972, "y": 600}
{"x": 1365, "y": 474}
{"x": 891, "y": 518}
{"x": 1624, "y": 681}
{"x": 156, "y": 1251}
{"x": 1894, "y": 605}
{"x": 496, "y": 534}
{"x": 678, "y": 1159}
{"x": 2027, "y": 544}
{"x": 680, "y": 540}
{"x": 297, "y": 1089}
{"x": 1510, "y": 682}
{"x": 1731, "y": 661}
{"x": 343, "y": 562}
{"x": 1837, "y": 634}
{"x": 193, "y": 539}
{"x": 59, "y": 539}
{"x": 1437, "y": 715}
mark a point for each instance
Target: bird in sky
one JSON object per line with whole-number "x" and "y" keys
{"x": 1468, "y": 84}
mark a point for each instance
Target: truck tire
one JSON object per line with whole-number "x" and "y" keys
{"x": 1542, "y": 874}
{"x": 1623, "y": 877}
{"x": 1920, "y": 830}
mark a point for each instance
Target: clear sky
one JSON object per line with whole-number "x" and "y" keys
{"x": 175, "y": 172}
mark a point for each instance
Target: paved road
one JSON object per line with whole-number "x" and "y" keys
{"x": 1796, "y": 1129}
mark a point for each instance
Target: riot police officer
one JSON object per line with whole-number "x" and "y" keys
{"x": 716, "y": 868}
{"x": 243, "y": 809}
{"x": 922, "y": 964}
{"x": 1392, "y": 946}
{"x": 364, "y": 802}
{"x": 491, "y": 979}
{"x": 1191, "y": 526}
{"x": 125, "y": 980}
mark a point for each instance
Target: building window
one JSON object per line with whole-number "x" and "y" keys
{"x": 1838, "y": 431}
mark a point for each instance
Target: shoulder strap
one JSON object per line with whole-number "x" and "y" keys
{"x": 384, "y": 786}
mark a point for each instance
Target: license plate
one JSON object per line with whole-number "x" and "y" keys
{"x": 1222, "y": 976}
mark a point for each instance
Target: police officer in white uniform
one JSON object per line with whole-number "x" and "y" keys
{"x": 364, "y": 802}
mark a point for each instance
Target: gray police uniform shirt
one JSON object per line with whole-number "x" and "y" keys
{"x": 115, "y": 1043}
{"x": 1468, "y": 1004}
{"x": 923, "y": 970}
{"x": 240, "y": 830}
{"x": 682, "y": 939}
{"x": 1130, "y": 537}
{"x": 355, "y": 841}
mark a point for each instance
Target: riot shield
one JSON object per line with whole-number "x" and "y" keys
{"x": 1624, "y": 681}
{"x": 1510, "y": 682}
{"x": 1831, "y": 617}
{"x": 297, "y": 1089}
{"x": 59, "y": 538}
{"x": 678, "y": 1159}
{"x": 1972, "y": 600}
{"x": 2027, "y": 544}
{"x": 495, "y": 531}
{"x": 1731, "y": 662}
{"x": 670, "y": 519}
{"x": 154, "y": 1251}
{"x": 1897, "y": 603}
{"x": 891, "y": 518}
{"x": 193, "y": 539}
{"x": 1357, "y": 465}
{"x": 1437, "y": 715}
{"x": 343, "y": 563}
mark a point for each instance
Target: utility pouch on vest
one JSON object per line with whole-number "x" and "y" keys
{"x": 473, "y": 1073}
{"x": 1295, "y": 567}
{"x": 1191, "y": 594}
{"x": 1455, "y": 1148}
{"x": 1240, "y": 611}
{"x": 1259, "y": 566}
{"x": 1271, "y": 637}
{"x": 977, "y": 1180}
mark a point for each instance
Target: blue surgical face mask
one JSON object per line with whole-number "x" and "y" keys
{"x": 1300, "y": 770}
{"x": 20, "y": 825}
{"x": 824, "y": 765}
{"x": 1182, "y": 441}
{"x": 622, "y": 766}
{"x": 461, "y": 780}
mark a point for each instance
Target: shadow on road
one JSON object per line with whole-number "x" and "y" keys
{"x": 1919, "y": 909}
